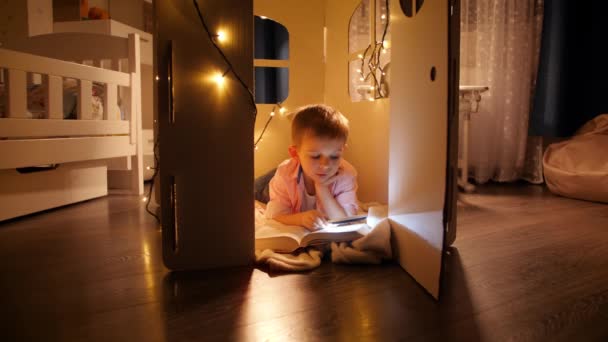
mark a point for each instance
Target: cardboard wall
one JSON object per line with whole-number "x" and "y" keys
{"x": 368, "y": 142}
{"x": 205, "y": 128}
{"x": 304, "y": 21}
{"x": 418, "y": 139}
{"x": 311, "y": 80}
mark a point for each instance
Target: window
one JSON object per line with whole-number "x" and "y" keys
{"x": 271, "y": 53}
{"x": 369, "y": 51}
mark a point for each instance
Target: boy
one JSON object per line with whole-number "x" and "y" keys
{"x": 316, "y": 183}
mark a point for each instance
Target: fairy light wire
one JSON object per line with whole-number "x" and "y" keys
{"x": 212, "y": 37}
{"x": 373, "y": 63}
{"x": 231, "y": 69}
{"x": 270, "y": 117}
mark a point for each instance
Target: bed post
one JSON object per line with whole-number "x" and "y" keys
{"x": 137, "y": 172}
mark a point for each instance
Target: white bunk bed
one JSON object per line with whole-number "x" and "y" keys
{"x": 80, "y": 158}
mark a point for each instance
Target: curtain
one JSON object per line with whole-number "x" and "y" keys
{"x": 573, "y": 67}
{"x": 500, "y": 44}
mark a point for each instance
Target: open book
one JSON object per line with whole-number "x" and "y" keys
{"x": 283, "y": 238}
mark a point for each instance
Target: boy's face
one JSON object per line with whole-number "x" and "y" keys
{"x": 320, "y": 157}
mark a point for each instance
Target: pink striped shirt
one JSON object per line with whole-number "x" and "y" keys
{"x": 287, "y": 189}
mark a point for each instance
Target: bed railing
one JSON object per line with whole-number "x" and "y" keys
{"x": 52, "y": 139}
{"x": 64, "y": 55}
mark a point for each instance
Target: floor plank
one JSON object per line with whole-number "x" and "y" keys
{"x": 526, "y": 265}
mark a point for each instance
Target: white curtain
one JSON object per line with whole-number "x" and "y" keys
{"x": 500, "y": 44}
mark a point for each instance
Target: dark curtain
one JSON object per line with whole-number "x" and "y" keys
{"x": 572, "y": 83}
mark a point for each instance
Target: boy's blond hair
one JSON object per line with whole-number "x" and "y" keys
{"x": 319, "y": 120}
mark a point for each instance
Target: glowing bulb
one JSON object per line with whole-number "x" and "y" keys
{"x": 371, "y": 99}
{"x": 272, "y": 113}
{"x": 360, "y": 56}
{"x": 383, "y": 74}
{"x": 147, "y": 168}
{"x": 256, "y": 147}
{"x": 371, "y": 88}
{"x": 221, "y": 36}
{"x": 144, "y": 199}
{"x": 282, "y": 110}
{"x": 358, "y": 70}
{"x": 361, "y": 79}
{"x": 157, "y": 78}
{"x": 263, "y": 17}
{"x": 219, "y": 79}
{"x": 383, "y": 16}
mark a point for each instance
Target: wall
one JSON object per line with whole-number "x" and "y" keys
{"x": 304, "y": 20}
{"x": 129, "y": 12}
{"x": 40, "y": 16}
{"x": 368, "y": 142}
{"x": 20, "y": 19}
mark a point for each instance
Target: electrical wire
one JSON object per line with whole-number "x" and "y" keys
{"x": 230, "y": 67}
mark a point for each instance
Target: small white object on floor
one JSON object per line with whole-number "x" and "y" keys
{"x": 370, "y": 249}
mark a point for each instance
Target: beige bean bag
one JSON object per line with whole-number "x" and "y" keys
{"x": 578, "y": 167}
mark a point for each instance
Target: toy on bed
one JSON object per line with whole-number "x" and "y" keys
{"x": 37, "y": 101}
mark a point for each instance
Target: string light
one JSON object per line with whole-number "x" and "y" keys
{"x": 221, "y": 36}
{"x": 220, "y": 78}
{"x": 373, "y": 61}
{"x": 282, "y": 110}
{"x": 230, "y": 68}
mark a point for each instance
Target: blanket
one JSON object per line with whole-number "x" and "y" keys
{"x": 370, "y": 249}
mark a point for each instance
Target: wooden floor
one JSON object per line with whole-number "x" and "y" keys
{"x": 526, "y": 265}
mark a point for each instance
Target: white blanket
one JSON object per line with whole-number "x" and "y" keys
{"x": 370, "y": 249}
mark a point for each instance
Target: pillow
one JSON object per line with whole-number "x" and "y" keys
{"x": 261, "y": 188}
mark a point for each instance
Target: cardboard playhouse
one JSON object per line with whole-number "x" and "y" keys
{"x": 403, "y": 136}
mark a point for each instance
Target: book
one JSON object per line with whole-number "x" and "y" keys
{"x": 284, "y": 238}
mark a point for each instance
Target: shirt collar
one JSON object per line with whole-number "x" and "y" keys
{"x": 297, "y": 172}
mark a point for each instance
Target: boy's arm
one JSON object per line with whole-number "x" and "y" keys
{"x": 279, "y": 208}
{"x": 279, "y": 203}
{"x": 342, "y": 202}
{"x": 333, "y": 209}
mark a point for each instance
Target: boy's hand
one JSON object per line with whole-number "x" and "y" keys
{"x": 312, "y": 220}
{"x": 329, "y": 180}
